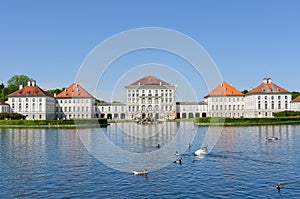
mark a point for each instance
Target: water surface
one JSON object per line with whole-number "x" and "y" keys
{"x": 53, "y": 163}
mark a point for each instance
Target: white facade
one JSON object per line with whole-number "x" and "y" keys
{"x": 116, "y": 111}
{"x": 188, "y": 110}
{"x": 225, "y": 106}
{"x": 4, "y": 107}
{"x": 74, "y": 108}
{"x": 265, "y": 104}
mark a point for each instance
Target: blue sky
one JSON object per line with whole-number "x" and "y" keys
{"x": 248, "y": 40}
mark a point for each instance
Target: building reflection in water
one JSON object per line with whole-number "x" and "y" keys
{"x": 128, "y": 146}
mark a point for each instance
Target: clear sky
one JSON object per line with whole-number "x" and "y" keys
{"x": 248, "y": 40}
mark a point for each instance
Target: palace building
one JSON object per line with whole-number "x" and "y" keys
{"x": 152, "y": 98}
{"x": 74, "y": 102}
{"x": 266, "y": 99}
{"x": 225, "y": 101}
{"x": 33, "y": 102}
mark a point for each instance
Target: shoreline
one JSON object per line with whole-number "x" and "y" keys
{"x": 197, "y": 122}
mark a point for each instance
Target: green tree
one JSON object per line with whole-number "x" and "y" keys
{"x": 1, "y": 88}
{"x": 15, "y": 81}
{"x": 4, "y": 93}
{"x": 245, "y": 92}
{"x": 57, "y": 91}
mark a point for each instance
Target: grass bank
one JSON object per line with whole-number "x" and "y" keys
{"x": 54, "y": 123}
{"x": 246, "y": 121}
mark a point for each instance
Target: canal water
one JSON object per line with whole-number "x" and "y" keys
{"x": 66, "y": 163}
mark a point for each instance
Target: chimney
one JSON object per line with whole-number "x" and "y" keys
{"x": 269, "y": 80}
{"x": 20, "y": 86}
{"x": 33, "y": 83}
{"x": 54, "y": 94}
{"x": 265, "y": 80}
{"x": 29, "y": 83}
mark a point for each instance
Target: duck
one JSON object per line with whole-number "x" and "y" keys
{"x": 140, "y": 172}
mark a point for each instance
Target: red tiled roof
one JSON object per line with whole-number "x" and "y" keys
{"x": 224, "y": 89}
{"x": 267, "y": 88}
{"x": 30, "y": 91}
{"x": 74, "y": 91}
{"x": 149, "y": 80}
{"x": 3, "y": 103}
{"x": 297, "y": 99}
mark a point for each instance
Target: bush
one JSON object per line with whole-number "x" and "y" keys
{"x": 287, "y": 114}
{"x": 102, "y": 122}
{"x": 13, "y": 116}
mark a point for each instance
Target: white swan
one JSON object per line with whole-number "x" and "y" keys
{"x": 202, "y": 151}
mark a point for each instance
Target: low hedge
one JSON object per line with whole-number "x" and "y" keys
{"x": 247, "y": 120}
{"x": 101, "y": 121}
{"x": 13, "y": 116}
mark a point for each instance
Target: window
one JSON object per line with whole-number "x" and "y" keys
{"x": 258, "y": 104}
{"x": 286, "y": 97}
{"x": 233, "y": 107}
{"x": 278, "y": 97}
{"x": 279, "y": 105}
{"x": 70, "y": 109}
{"x": 65, "y": 109}
{"x": 266, "y": 105}
{"x": 221, "y": 107}
{"x": 229, "y": 107}
{"x": 272, "y": 104}
{"x": 40, "y": 116}
{"x": 286, "y": 105}
{"x": 212, "y": 107}
{"x": 258, "y": 97}
{"x": 26, "y": 99}
{"x": 217, "y": 107}
{"x": 266, "y": 97}
{"x": 143, "y": 100}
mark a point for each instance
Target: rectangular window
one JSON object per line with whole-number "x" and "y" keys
{"x": 266, "y": 105}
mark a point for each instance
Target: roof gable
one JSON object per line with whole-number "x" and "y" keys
{"x": 74, "y": 91}
{"x": 3, "y": 103}
{"x": 267, "y": 87}
{"x": 224, "y": 89}
{"x": 30, "y": 91}
{"x": 149, "y": 80}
